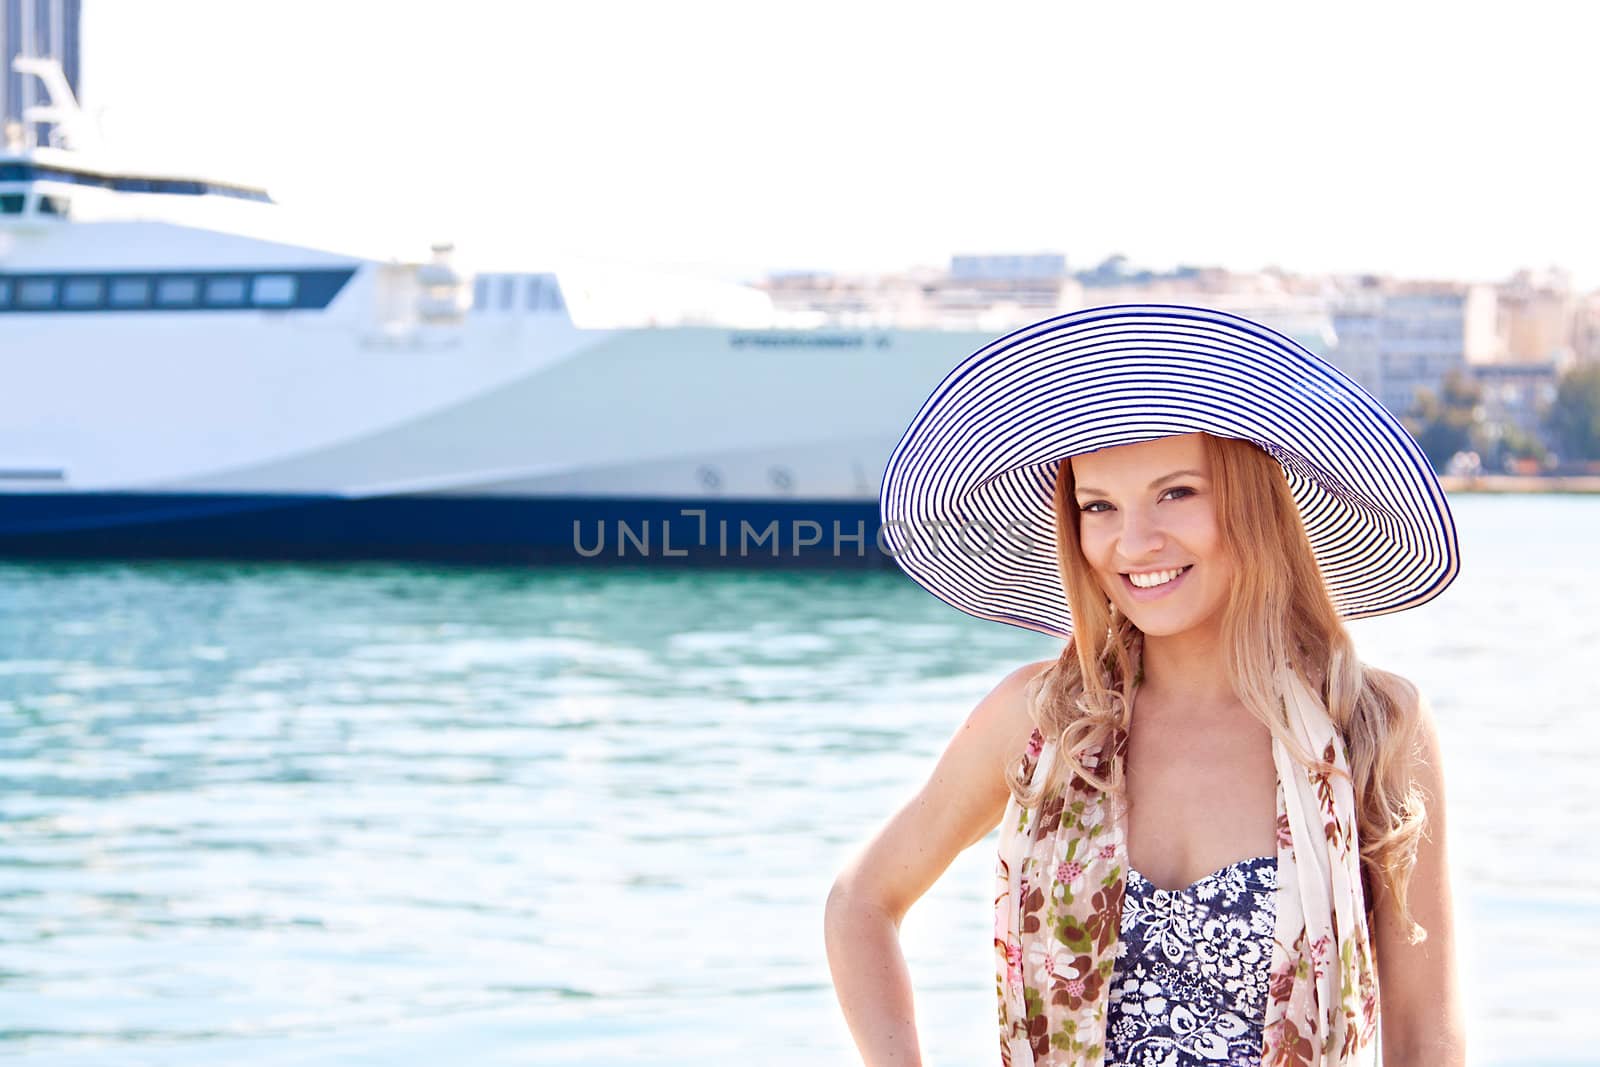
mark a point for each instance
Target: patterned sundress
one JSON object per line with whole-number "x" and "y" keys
{"x": 1189, "y": 985}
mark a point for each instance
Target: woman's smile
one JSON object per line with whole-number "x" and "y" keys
{"x": 1155, "y": 592}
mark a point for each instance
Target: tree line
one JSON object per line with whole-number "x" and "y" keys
{"x": 1454, "y": 419}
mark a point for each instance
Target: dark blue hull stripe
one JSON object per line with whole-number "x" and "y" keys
{"x": 629, "y": 531}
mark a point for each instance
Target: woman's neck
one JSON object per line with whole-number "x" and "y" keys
{"x": 1187, "y": 671}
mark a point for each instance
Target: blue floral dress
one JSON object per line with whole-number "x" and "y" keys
{"x": 1189, "y": 984}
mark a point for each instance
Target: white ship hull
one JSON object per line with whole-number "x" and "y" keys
{"x": 345, "y": 432}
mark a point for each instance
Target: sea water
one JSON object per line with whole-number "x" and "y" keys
{"x": 271, "y": 814}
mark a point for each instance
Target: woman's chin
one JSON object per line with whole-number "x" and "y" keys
{"x": 1167, "y": 624}
{"x": 1158, "y": 630}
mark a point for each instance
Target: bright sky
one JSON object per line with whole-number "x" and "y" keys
{"x": 1425, "y": 139}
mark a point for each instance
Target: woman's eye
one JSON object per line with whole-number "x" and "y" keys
{"x": 1095, "y": 507}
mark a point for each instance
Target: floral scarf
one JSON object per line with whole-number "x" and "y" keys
{"x": 1058, "y": 912}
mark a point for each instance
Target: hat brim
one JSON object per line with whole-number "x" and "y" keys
{"x": 966, "y": 499}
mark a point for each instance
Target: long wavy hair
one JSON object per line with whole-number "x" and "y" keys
{"x": 1278, "y": 611}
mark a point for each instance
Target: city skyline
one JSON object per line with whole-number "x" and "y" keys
{"x": 1428, "y": 142}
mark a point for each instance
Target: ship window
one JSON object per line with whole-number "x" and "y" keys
{"x": 11, "y": 203}
{"x": 5, "y": 293}
{"x": 130, "y": 292}
{"x": 36, "y": 293}
{"x": 177, "y": 292}
{"x": 508, "y": 292}
{"x": 224, "y": 292}
{"x": 53, "y": 205}
{"x": 480, "y": 293}
{"x": 273, "y": 290}
{"x": 70, "y": 177}
{"x": 543, "y": 293}
{"x": 80, "y": 293}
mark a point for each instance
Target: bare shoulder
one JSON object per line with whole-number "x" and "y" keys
{"x": 995, "y": 733}
{"x": 1413, "y": 709}
{"x": 1018, "y": 685}
{"x": 1007, "y": 713}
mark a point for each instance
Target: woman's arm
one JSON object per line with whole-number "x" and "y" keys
{"x": 961, "y": 802}
{"x": 1420, "y": 995}
{"x": 871, "y": 980}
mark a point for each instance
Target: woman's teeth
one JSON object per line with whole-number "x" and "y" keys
{"x": 1150, "y": 581}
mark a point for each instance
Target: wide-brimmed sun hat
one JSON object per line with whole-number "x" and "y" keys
{"x": 967, "y": 496}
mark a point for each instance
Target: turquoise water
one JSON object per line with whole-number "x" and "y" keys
{"x": 274, "y": 814}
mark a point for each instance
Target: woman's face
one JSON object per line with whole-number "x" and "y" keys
{"x": 1148, "y": 508}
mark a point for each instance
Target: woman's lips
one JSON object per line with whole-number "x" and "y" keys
{"x": 1159, "y": 591}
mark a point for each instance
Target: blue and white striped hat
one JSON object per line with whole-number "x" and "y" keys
{"x": 966, "y": 500}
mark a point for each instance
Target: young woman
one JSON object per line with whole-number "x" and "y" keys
{"x": 1222, "y": 835}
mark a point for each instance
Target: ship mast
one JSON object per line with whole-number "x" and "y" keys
{"x": 39, "y": 45}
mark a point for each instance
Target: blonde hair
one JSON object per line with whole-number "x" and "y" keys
{"x": 1278, "y": 611}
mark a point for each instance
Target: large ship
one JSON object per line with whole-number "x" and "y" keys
{"x": 183, "y": 381}
{"x": 187, "y": 374}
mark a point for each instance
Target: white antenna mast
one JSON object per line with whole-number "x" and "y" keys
{"x": 72, "y": 126}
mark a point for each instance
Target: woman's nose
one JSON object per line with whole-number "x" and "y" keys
{"x": 1140, "y": 536}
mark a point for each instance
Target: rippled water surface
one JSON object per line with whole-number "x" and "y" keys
{"x": 257, "y": 814}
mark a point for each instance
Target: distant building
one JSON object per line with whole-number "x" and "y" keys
{"x": 1586, "y": 329}
{"x": 1537, "y": 318}
{"x": 45, "y": 29}
{"x": 1516, "y": 394}
{"x": 1397, "y": 338}
{"x": 1281, "y": 302}
{"x": 1040, "y": 266}
{"x": 976, "y": 292}
{"x": 1116, "y": 270}
{"x": 1001, "y": 288}
{"x": 1358, "y": 331}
